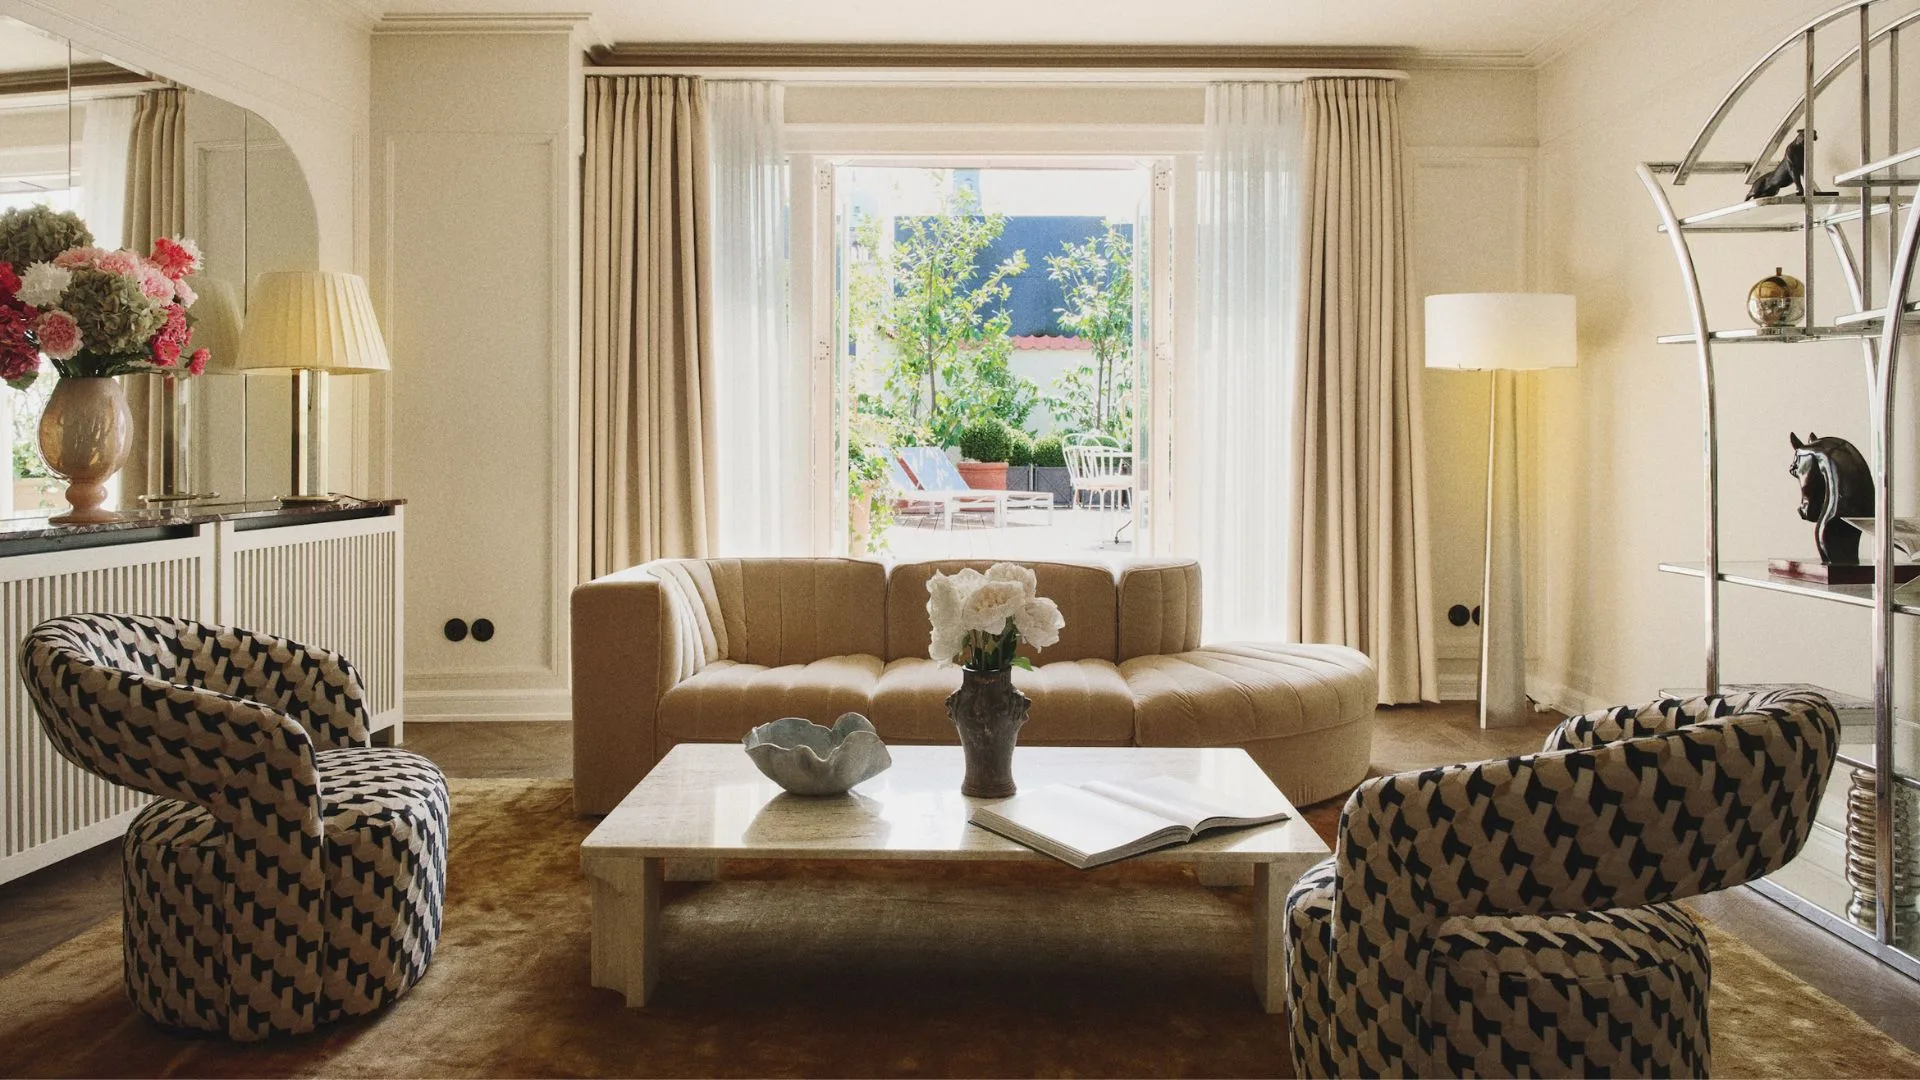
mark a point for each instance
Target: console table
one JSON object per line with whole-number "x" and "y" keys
{"x": 325, "y": 575}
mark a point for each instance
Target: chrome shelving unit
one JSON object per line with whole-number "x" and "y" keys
{"x": 1878, "y": 278}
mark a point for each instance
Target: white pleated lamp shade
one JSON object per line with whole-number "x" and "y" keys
{"x": 312, "y": 320}
{"x": 1501, "y": 331}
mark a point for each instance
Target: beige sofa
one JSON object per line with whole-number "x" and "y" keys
{"x": 701, "y": 650}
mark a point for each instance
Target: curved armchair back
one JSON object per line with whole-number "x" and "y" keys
{"x": 1700, "y": 798}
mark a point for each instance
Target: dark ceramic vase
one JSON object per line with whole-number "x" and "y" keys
{"x": 987, "y": 712}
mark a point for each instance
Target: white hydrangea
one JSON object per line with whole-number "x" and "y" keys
{"x": 43, "y": 284}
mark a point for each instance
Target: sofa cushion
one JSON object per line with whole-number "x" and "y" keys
{"x": 1086, "y": 595}
{"x": 1159, "y": 608}
{"x": 1225, "y": 695}
{"x": 777, "y": 612}
{"x": 726, "y": 699}
{"x": 1075, "y": 703}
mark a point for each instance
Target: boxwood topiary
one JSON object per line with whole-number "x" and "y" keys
{"x": 1049, "y": 452}
{"x": 986, "y": 440}
{"x": 1019, "y": 448}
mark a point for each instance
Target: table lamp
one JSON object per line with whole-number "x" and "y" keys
{"x": 314, "y": 323}
{"x": 1501, "y": 333}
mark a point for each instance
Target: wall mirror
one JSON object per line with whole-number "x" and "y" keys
{"x": 134, "y": 154}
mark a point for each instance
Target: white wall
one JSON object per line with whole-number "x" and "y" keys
{"x": 474, "y": 217}
{"x": 1616, "y": 443}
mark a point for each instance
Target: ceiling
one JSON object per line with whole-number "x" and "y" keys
{"x": 1442, "y": 27}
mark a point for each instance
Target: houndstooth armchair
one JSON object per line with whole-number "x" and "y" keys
{"x": 289, "y": 874}
{"x": 1515, "y": 917}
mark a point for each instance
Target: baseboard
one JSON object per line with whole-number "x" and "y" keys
{"x": 1563, "y": 698}
{"x": 1459, "y": 678}
{"x": 432, "y": 705}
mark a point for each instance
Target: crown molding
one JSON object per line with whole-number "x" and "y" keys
{"x": 88, "y": 76}
{"x": 580, "y": 25}
{"x": 1469, "y": 59}
{"x": 987, "y": 56}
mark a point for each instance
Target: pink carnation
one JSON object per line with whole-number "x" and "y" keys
{"x": 124, "y": 263}
{"x": 171, "y": 338}
{"x": 58, "y": 334}
{"x": 154, "y": 283}
{"x": 183, "y": 294}
{"x": 197, "y": 363}
{"x": 75, "y": 258}
{"x": 176, "y": 257}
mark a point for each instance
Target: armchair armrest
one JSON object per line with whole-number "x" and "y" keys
{"x": 631, "y": 644}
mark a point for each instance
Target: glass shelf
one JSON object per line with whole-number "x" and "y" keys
{"x": 1784, "y": 335}
{"x": 1786, "y": 213}
{"x": 1754, "y": 575}
{"x": 1886, "y": 172}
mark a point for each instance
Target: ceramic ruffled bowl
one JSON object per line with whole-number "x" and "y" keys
{"x": 807, "y": 759}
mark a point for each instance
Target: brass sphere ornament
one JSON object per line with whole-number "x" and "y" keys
{"x": 1777, "y": 300}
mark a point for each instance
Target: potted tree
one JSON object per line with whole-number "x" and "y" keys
{"x": 1050, "y": 469}
{"x": 985, "y": 446}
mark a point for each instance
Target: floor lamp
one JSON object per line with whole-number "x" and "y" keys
{"x": 1501, "y": 333}
{"x": 313, "y": 323}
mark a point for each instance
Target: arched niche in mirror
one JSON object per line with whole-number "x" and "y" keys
{"x": 138, "y": 157}
{"x": 249, "y": 206}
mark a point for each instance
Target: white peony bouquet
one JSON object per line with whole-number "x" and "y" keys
{"x": 980, "y": 619}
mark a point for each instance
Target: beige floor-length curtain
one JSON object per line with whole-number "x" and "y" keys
{"x": 156, "y": 170}
{"x": 1361, "y": 568}
{"x": 647, "y": 481}
{"x": 156, "y": 206}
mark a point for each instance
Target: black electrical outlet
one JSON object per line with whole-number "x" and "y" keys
{"x": 1458, "y": 615}
{"x": 456, "y": 629}
{"x": 483, "y": 629}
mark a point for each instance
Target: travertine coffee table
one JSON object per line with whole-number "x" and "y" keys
{"x": 707, "y": 801}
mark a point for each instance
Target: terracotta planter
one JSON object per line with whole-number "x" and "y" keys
{"x": 984, "y": 475}
{"x": 85, "y": 436}
{"x": 988, "y": 713}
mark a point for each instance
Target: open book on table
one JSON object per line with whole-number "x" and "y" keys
{"x": 1100, "y": 821}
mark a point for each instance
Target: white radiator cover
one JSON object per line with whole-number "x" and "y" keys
{"x": 333, "y": 584}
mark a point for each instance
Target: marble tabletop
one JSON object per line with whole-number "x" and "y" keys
{"x": 706, "y": 800}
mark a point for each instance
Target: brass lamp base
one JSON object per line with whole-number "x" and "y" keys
{"x": 309, "y": 440}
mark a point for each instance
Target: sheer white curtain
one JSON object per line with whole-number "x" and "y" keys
{"x": 761, "y": 408}
{"x": 1250, "y": 246}
{"x": 104, "y": 135}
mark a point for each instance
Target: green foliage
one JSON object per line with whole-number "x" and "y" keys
{"x": 986, "y": 439}
{"x": 1097, "y": 280}
{"x": 1050, "y": 452}
{"x": 1019, "y": 448}
{"x": 35, "y": 234}
{"x": 933, "y": 331}
{"x": 867, "y": 482}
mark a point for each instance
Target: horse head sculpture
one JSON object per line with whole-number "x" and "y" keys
{"x": 1835, "y": 483}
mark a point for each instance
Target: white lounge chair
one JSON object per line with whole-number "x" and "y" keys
{"x": 938, "y": 477}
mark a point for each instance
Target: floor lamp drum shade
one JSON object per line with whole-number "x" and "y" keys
{"x": 314, "y": 323}
{"x": 1500, "y": 331}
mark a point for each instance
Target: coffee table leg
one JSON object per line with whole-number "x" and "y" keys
{"x": 626, "y": 928}
{"x": 1269, "y": 937}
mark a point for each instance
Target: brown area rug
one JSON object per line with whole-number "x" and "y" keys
{"x": 823, "y": 969}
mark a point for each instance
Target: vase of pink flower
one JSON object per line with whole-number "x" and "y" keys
{"x": 979, "y": 622}
{"x": 93, "y": 314}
